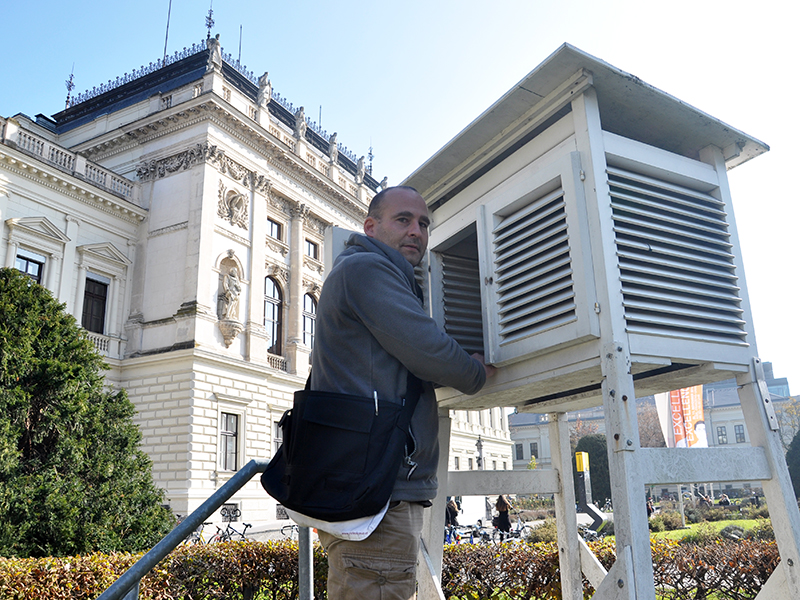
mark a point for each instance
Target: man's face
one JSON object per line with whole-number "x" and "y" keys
{"x": 401, "y": 223}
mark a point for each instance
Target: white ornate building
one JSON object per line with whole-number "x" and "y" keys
{"x": 180, "y": 213}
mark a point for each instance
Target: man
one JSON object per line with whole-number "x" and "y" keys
{"x": 371, "y": 330}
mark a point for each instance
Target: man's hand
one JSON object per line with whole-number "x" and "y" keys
{"x": 490, "y": 370}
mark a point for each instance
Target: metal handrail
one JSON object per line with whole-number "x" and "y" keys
{"x": 129, "y": 580}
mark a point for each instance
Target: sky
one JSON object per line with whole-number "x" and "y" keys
{"x": 403, "y": 78}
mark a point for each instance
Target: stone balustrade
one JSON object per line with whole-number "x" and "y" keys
{"x": 67, "y": 161}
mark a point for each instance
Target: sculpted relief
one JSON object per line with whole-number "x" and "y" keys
{"x": 232, "y": 206}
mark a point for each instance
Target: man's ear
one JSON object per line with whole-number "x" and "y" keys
{"x": 369, "y": 226}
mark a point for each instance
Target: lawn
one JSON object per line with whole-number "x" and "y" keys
{"x": 678, "y": 534}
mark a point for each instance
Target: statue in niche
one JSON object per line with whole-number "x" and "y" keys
{"x": 333, "y": 149}
{"x": 228, "y": 300}
{"x": 214, "y": 54}
{"x": 300, "y": 125}
{"x": 232, "y": 287}
{"x": 264, "y": 90}
{"x": 361, "y": 170}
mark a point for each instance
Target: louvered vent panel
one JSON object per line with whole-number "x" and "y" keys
{"x": 533, "y": 269}
{"x": 462, "y": 302}
{"x": 674, "y": 250}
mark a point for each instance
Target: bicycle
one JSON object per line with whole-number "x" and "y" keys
{"x": 520, "y": 532}
{"x": 197, "y": 537}
{"x": 230, "y": 533}
{"x": 589, "y": 535}
{"x": 291, "y": 532}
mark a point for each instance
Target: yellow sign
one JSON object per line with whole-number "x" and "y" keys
{"x": 582, "y": 461}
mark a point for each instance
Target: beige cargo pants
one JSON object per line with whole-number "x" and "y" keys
{"x": 381, "y": 567}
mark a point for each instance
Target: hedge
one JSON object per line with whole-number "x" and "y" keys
{"x": 268, "y": 571}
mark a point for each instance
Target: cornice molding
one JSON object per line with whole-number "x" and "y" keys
{"x": 247, "y": 131}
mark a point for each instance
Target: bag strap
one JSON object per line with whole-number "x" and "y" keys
{"x": 413, "y": 392}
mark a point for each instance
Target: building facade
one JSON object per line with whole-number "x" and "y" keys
{"x": 180, "y": 214}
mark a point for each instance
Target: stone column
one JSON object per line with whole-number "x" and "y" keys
{"x": 77, "y": 307}
{"x": 256, "y": 342}
{"x": 52, "y": 271}
{"x": 112, "y": 328}
{"x": 296, "y": 352}
{"x": 11, "y": 254}
{"x": 65, "y": 291}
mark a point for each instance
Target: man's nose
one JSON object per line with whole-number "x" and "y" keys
{"x": 415, "y": 230}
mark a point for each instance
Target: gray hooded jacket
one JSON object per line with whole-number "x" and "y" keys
{"x": 371, "y": 329}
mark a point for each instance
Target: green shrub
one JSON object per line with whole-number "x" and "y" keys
{"x": 692, "y": 515}
{"x": 672, "y": 520}
{"x": 702, "y": 534}
{"x": 761, "y": 531}
{"x": 716, "y": 514}
{"x": 546, "y": 532}
{"x": 657, "y": 524}
{"x": 606, "y": 527}
{"x": 268, "y": 571}
{"x": 752, "y": 511}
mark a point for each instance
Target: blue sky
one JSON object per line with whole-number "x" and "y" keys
{"x": 405, "y": 77}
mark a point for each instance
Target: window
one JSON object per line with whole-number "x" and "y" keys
{"x": 739, "y": 430}
{"x": 494, "y": 465}
{"x": 277, "y": 435}
{"x": 722, "y": 435}
{"x": 505, "y": 467}
{"x": 469, "y": 464}
{"x": 33, "y": 268}
{"x": 456, "y": 463}
{"x": 535, "y": 449}
{"x": 312, "y": 249}
{"x": 309, "y": 320}
{"x": 94, "y": 306}
{"x": 518, "y": 449}
{"x": 273, "y": 310}
{"x": 491, "y": 418}
{"x": 274, "y": 229}
{"x": 228, "y": 441}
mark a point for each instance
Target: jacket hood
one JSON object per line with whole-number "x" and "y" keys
{"x": 358, "y": 242}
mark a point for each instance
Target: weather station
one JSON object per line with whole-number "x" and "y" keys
{"x": 584, "y": 241}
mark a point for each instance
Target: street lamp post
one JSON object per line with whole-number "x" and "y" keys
{"x": 479, "y": 446}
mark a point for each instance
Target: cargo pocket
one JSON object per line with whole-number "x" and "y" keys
{"x": 383, "y": 578}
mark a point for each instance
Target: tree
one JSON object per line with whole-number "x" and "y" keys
{"x": 595, "y": 445}
{"x": 793, "y": 462}
{"x": 788, "y": 416}
{"x": 72, "y": 478}
{"x": 650, "y": 433}
{"x": 579, "y": 430}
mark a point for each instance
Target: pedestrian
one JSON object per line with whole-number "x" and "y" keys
{"x": 451, "y": 513}
{"x": 372, "y": 330}
{"x": 503, "y": 505}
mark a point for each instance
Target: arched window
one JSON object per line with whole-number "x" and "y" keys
{"x": 273, "y": 315}
{"x": 309, "y": 319}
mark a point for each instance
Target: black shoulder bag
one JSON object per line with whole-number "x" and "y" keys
{"x": 340, "y": 454}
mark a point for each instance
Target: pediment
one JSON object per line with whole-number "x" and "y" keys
{"x": 40, "y": 227}
{"x": 104, "y": 251}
